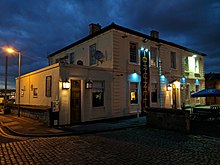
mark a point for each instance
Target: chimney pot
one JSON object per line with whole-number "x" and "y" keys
{"x": 154, "y": 34}
{"x": 94, "y": 28}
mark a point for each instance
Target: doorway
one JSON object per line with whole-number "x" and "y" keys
{"x": 174, "y": 97}
{"x": 75, "y": 113}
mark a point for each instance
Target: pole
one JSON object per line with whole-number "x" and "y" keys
{"x": 6, "y": 79}
{"x": 19, "y": 73}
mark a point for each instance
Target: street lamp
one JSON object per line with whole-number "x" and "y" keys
{"x": 11, "y": 51}
{"x": 6, "y": 79}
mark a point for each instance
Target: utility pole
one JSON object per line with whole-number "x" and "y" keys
{"x": 6, "y": 78}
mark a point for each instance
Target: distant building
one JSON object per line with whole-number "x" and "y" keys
{"x": 103, "y": 74}
{"x": 10, "y": 94}
{"x": 212, "y": 80}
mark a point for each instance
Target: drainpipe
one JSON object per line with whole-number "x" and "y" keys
{"x": 160, "y": 73}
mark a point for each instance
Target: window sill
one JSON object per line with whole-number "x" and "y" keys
{"x": 133, "y": 63}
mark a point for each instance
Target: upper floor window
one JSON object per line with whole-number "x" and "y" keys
{"x": 48, "y": 86}
{"x": 186, "y": 62}
{"x": 173, "y": 59}
{"x": 72, "y": 58}
{"x": 153, "y": 56}
{"x": 92, "y": 50}
{"x": 197, "y": 65}
{"x": 133, "y": 52}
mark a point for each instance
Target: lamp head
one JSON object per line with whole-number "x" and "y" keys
{"x": 9, "y": 50}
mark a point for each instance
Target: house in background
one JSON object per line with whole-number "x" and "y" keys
{"x": 101, "y": 76}
{"x": 212, "y": 80}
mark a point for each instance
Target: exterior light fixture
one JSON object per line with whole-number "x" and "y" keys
{"x": 194, "y": 56}
{"x": 89, "y": 84}
{"x": 66, "y": 84}
{"x": 146, "y": 50}
{"x": 169, "y": 87}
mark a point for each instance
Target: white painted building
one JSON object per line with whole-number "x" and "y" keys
{"x": 110, "y": 59}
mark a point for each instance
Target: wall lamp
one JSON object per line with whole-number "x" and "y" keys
{"x": 66, "y": 84}
{"x": 169, "y": 87}
{"x": 89, "y": 84}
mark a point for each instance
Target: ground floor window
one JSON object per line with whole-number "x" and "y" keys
{"x": 98, "y": 94}
{"x": 133, "y": 93}
{"x": 154, "y": 92}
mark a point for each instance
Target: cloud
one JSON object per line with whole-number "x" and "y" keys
{"x": 38, "y": 28}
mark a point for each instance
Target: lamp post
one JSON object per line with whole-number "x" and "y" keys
{"x": 11, "y": 51}
{"x": 6, "y": 79}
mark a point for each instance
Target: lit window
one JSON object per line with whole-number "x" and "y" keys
{"x": 48, "y": 86}
{"x": 92, "y": 50}
{"x": 153, "y": 56}
{"x": 173, "y": 59}
{"x": 98, "y": 94}
{"x": 133, "y": 52}
{"x": 133, "y": 93}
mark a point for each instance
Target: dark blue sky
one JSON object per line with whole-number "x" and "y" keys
{"x": 40, "y": 27}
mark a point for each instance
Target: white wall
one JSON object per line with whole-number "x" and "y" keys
{"x": 37, "y": 79}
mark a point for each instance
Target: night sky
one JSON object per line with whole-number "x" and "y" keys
{"x": 40, "y": 27}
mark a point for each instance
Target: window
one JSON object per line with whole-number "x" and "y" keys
{"x": 133, "y": 52}
{"x": 48, "y": 86}
{"x": 98, "y": 94}
{"x": 92, "y": 50}
{"x": 196, "y": 65}
{"x": 35, "y": 92}
{"x": 71, "y": 58}
{"x": 197, "y": 87}
{"x": 173, "y": 59}
{"x": 133, "y": 93}
{"x": 153, "y": 56}
{"x": 154, "y": 93}
{"x": 186, "y": 64}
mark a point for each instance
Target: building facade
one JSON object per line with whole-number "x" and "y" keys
{"x": 113, "y": 72}
{"x": 212, "y": 80}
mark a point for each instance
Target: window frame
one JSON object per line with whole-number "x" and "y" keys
{"x": 72, "y": 57}
{"x": 98, "y": 91}
{"x": 153, "y": 56}
{"x": 92, "y": 50}
{"x": 134, "y": 88}
{"x": 48, "y": 89}
{"x": 35, "y": 92}
{"x": 133, "y": 54}
{"x": 173, "y": 62}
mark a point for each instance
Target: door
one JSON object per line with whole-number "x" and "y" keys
{"x": 75, "y": 113}
{"x": 174, "y": 97}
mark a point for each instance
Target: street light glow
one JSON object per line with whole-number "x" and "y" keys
{"x": 9, "y": 50}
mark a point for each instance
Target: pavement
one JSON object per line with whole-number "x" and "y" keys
{"x": 27, "y": 127}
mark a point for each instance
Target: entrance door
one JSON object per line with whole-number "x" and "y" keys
{"x": 174, "y": 96}
{"x": 75, "y": 101}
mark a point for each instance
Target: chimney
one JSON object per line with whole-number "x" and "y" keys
{"x": 94, "y": 28}
{"x": 154, "y": 34}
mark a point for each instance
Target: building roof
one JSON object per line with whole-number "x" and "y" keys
{"x": 126, "y": 30}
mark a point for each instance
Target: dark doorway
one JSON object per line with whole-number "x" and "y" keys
{"x": 75, "y": 113}
{"x": 174, "y": 96}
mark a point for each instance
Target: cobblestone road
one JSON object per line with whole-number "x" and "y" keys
{"x": 130, "y": 146}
